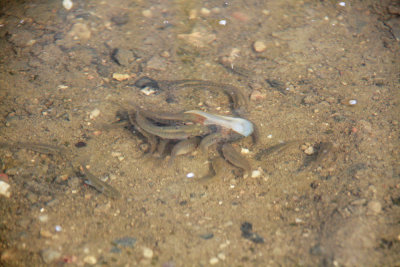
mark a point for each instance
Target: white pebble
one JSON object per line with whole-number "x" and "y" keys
{"x": 4, "y": 189}
{"x": 221, "y": 256}
{"x": 214, "y": 260}
{"x": 342, "y": 4}
{"x": 147, "y": 13}
{"x": 91, "y": 260}
{"x": 309, "y": 150}
{"x": 298, "y": 220}
{"x": 245, "y": 151}
{"x": 204, "y": 11}
{"x": 67, "y": 4}
{"x": 121, "y": 76}
{"x": 94, "y": 113}
{"x": 147, "y": 253}
{"x": 352, "y": 102}
{"x": 148, "y": 91}
{"x": 190, "y": 175}
{"x": 43, "y": 218}
{"x": 259, "y": 46}
{"x": 222, "y": 22}
{"x": 255, "y": 174}
{"x": 58, "y": 228}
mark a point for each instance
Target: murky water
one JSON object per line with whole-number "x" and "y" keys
{"x": 324, "y": 186}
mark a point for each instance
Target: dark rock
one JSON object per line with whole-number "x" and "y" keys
{"x": 276, "y": 85}
{"x": 247, "y": 233}
{"x": 102, "y": 70}
{"x": 146, "y": 82}
{"x": 127, "y": 242}
{"x": 122, "y": 57}
{"x": 80, "y": 144}
{"x": 207, "y": 236}
{"x": 120, "y": 20}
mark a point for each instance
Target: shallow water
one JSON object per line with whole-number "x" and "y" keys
{"x": 65, "y": 74}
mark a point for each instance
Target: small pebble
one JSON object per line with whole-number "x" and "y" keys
{"x": 91, "y": 260}
{"x": 120, "y": 76}
{"x": 80, "y": 31}
{"x": 58, "y": 228}
{"x": 190, "y": 175}
{"x": 352, "y": 102}
{"x": 50, "y": 255}
{"x": 349, "y": 102}
{"x": 222, "y": 22}
{"x": 67, "y": 4}
{"x": 148, "y": 91}
{"x": 266, "y": 12}
{"x": 255, "y": 174}
{"x": 4, "y": 189}
{"x": 147, "y": 253}
{"x": 309, "y": 150}
{"x": 207, "y": 236}
{"x": 214, "y": 260}
{"x": 245, "y": 150}
{"x": 165, "y": 54}
{"x": 193, "y": 14}
{"x": 80, "y": 144}
{"x": 147, "y": 13}
{"x": 127, "y": 242}
{"x": 45, "y": 233}
{"x": 43, "y": 218}
{"x": 374, "y": 207}
{"x": 116, "y": 154}
{"x": 216, "y": 10}
{"x": 259, "y": 46}
{"x": 94, "y": 113}
{"x": 204, "y": 11}
{"x": 221, "y": 256}
{"x": 257, "y": 95}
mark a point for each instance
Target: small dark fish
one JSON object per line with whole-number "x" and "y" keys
{"x": 210, "y": 140}
{"x": 171, "y": 132}
{"x": 184, "y": 147}
{"x": 234, "y": 157}
{"x": 218, "y": 165}
{"x": 151, "y": 139}
{"x": 99, "y": 185}
{"x": 278, "y": 148}
{"x": 240, "y": 101}
{"x": 38, "y": 147}
{"x": 228, "y": 65}
{"x": 247, "y": 232}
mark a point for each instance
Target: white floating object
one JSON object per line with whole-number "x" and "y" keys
{"x": 67, "y": 4}
{"x": 239, "y": 125}
{"x": 342, "y": 3}
{"x": 190, "y": 175}
{"x": 222, "y": 22}
{"x": 58, "y": 228}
